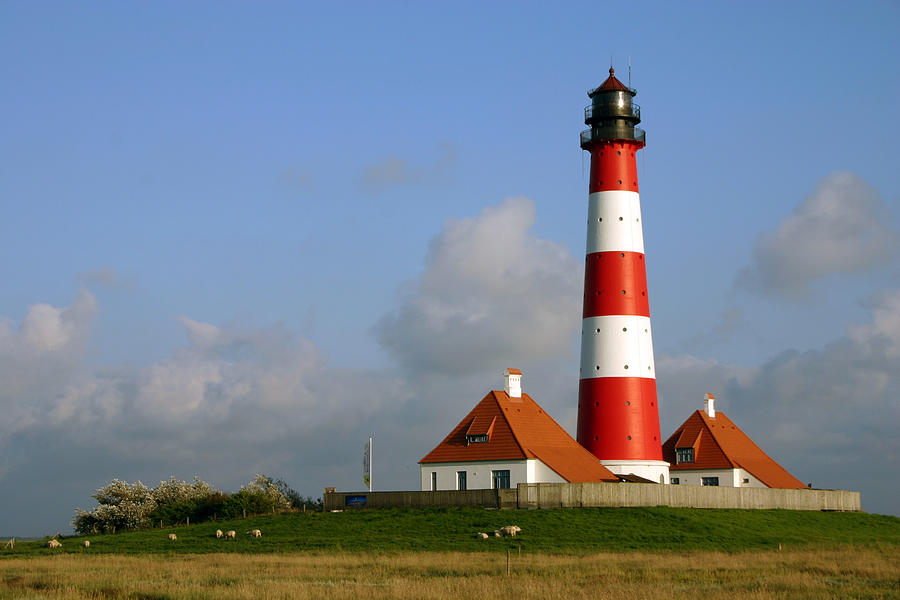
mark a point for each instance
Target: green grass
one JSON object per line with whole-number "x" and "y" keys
{"x": 566, "y": 531}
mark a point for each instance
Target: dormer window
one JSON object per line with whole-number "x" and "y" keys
{"x": 480, "y": 430}
{"x": 684, "y": 455}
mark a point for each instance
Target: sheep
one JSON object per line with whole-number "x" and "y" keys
{"x": 230, "y": 535}
{"x": 219, "y": 533}
{"x": 54, "y": 544}
{"x": 86, "y": 544}
{"x": 510, "y": 530}
{"x": 481, "y": 535}
{"x": 496, "y": 534}
{"x": 173, "y": 537}
{"x": 254, "y": 533}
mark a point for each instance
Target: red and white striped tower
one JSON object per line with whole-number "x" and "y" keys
{"x": 618, "y": 417}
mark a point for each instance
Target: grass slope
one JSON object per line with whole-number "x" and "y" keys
{"x": 566, "y": 531}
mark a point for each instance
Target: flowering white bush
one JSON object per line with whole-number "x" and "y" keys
{"x": 173, "y": 490}
{"x": 122, "y": 505}
{"x": 266, "y": 486}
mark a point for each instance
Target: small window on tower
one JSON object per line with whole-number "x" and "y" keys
{"x": 684, "y": 455}
{"x": 477, "y": 439}
{"x": 675, "y": 481}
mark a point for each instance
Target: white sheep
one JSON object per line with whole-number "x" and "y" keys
{"x": 481, "y": 535}
{"x": 230, "y": 535}
{"x": 54, "y": 544}
{"x": 510, "y": 530}
{"x": 86, "y": 544}
{"x": 254, "y": 533}
{"x": 173, "y": 537}
{"x": 496, "y": 534}
{"x": 219, "y": 533}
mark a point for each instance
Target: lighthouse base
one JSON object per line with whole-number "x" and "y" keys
{"x": 654, "y": 470}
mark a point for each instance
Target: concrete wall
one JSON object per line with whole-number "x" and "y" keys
{"x": 578, "y": 495}
{"x": 352, "y": 500}
{"x": 583, "y": 495}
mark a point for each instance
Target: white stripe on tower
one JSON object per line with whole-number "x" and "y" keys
{"x": 614, "y": 222}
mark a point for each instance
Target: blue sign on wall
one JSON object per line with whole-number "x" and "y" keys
{"x": 354, "y": 500}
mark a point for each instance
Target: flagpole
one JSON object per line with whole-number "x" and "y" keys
{"x": 371, "y": 478}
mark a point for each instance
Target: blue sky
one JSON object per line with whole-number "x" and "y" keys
{"x": 290, "y": 225}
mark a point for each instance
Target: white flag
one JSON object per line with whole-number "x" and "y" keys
{"x": 366, "y": 462}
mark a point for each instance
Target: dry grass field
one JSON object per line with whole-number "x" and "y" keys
{"x": 851, "y": 572}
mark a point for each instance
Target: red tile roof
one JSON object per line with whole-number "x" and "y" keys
{"x": 520, "y": 429}
{"x": 720, "y": 444}
{"x": 611, "y": 83}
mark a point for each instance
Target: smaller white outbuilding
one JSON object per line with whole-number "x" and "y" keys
{"x": 709, "y": 449}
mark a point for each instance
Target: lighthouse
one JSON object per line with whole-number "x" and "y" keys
{"x": 618, "y": 416}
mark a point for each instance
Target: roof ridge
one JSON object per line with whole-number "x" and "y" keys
{"x": 712, "y": 434}
{"x": 509, "y": 422}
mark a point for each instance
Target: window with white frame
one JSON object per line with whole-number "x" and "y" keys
{"x": 684, "y": 455}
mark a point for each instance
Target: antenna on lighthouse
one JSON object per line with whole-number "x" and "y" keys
{"x": 629, "y": 71}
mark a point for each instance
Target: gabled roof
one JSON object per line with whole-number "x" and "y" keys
{"x": 720, "y": 444}
{"x": 520, "y": 429}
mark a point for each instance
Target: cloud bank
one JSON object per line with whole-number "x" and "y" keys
{"x": 842, "y": 227}
{"x": 491, "y": 295}
{"x": 226, "y": 405}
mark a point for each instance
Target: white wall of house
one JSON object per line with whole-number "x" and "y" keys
{"x": 478, "y": 474}
{"x": 654, "y": 470}
{"x": 727, "y": 477}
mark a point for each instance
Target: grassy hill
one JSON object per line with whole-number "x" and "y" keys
{"x": 565, "y": 531}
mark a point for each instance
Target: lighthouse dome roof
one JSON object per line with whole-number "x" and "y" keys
{"x": 611, "y": 84}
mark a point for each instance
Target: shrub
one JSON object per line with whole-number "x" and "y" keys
{"x": 122, "y": 506}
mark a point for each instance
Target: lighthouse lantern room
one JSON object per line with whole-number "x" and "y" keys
{"x": 618, "y": 417}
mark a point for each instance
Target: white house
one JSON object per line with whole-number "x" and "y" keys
{"x": 505, "y": 440}
{"x": 708, "y": 449}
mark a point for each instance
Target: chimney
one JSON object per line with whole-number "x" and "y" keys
{"x": 513, "y": 383}
{"x": 709, "y": 402}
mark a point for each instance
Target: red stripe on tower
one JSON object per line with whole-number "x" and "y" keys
{"x": 618, "y": 417}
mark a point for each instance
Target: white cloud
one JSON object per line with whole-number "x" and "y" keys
{"x": 46, "y": 328}
{"x": 393, "y": 171}
{"x": 883, "y": 333}
{"x": 842, "y": 227}
{"x": 492, "y": 295}
{"x": 104, "y": 276}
